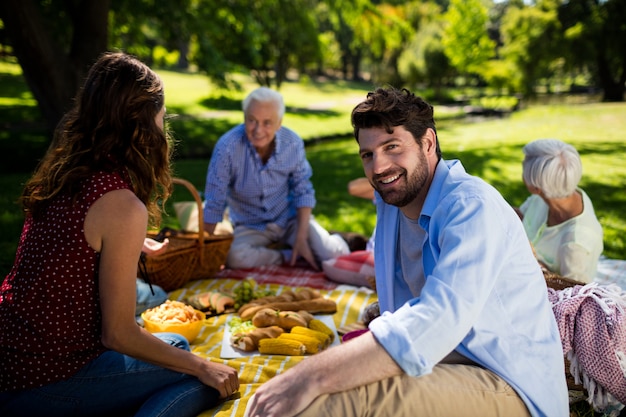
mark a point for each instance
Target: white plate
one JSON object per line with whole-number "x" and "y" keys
{"x": 229, "y": 352}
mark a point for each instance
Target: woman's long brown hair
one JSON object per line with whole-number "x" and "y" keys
{"x": 110, "y": 128}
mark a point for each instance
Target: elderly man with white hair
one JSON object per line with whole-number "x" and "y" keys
{"x": 558, "y": 217}
{"x": 260, "y": 171}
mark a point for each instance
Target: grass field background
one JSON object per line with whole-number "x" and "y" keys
{"x": 489, "y": 148}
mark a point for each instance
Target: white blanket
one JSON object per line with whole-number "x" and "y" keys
{"x": 611, "y": 271}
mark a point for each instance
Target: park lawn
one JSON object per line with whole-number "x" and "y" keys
{"x": 489, "y": 149}
{"x": 200, "y": 113}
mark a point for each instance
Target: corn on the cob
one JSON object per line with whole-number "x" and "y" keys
{"x": 311, "y": 344}
{"x": 320, "y": 326}
{"x": 323, "y": 338}
{"x": 281, "y": 347}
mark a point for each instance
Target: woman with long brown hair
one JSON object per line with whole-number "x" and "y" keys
{"x": 69, "y": 343}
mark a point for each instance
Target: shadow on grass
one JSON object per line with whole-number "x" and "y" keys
{"x": 24, "y": 142}
{"x": 222, "y": 102}
{"x": 310, "y": 113}
{"x": 197, "y": 136}
{"x": 14, "y": 85}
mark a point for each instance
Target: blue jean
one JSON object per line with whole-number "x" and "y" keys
{"x": 116, "y": 384}
{"x": 148, "y": 297}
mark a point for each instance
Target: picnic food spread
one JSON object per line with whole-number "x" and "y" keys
{"x": 271, "y": 324}
{"x": 283, "y": 324}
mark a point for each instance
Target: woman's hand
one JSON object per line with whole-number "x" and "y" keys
{"x": 221, "y": 377}
{"x": 152, "y": 247}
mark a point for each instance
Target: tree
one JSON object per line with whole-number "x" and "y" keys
{"x": 423, "y": 62}
{"x": 139, "y": 27}
{"x": 596, "y": 34}
{"x": 465, "y": 39}
{"x": 532, "y": 40}
{"x": 267, "y": 37}
{"x": 55, "y": 43}
{"x": 384, "y": 32}
{"x": 340, "y": 18}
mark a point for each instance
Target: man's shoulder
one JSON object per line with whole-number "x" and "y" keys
{"x": 454, "y": 186}
{"x": 451, "y": 178}
{"x": 287, "y": 134}
{"x": 236, "y": 133}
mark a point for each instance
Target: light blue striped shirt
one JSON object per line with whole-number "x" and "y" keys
{"x": 258, "y": 194}
{"x": 484, "y": 294}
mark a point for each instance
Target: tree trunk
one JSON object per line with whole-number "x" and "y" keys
{"x": 356, "y": 65}
{"x": 613, "y": 91}
{"x": 54, "y": 75}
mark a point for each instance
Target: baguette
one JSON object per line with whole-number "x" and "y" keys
{"x": 287, "y": 296}
{"x": 286, "y": 320}
{"x": 306, "y": 316}
{"x": 313, "y": 306}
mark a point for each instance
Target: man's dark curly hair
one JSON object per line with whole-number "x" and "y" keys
{"x": 391, "y": 107}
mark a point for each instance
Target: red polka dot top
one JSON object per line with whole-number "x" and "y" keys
{"x": 50, "y": 321}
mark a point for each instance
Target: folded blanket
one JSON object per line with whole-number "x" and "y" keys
{"x": 355, "y": 268}
{"x": 592, "y": 324}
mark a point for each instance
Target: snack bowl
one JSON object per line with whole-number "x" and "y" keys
{"x": 188, "y": 329}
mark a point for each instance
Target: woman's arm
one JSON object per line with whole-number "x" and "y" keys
{"x": 116, "y": 226}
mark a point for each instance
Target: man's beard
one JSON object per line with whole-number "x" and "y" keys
{"x": 400, "y": 197}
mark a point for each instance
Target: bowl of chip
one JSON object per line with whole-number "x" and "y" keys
{"x": 174, "y": 317}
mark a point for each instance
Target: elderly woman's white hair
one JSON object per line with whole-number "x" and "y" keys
{"x": 552, "y": 166}
{"x": 265, "y": 95}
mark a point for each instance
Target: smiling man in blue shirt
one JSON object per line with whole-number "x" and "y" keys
{"x": 466, "y": 327}
{"x": 260, "y": 171}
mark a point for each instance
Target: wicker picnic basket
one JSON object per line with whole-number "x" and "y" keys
{"x": 558, "y": 282}
{"x": 189, "y": 255}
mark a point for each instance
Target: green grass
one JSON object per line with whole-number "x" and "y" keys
{"x": 490, "y": 149}
{"x": 200, "y": 113}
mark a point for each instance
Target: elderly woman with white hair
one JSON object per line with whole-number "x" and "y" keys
{"x": 558, "y": 217}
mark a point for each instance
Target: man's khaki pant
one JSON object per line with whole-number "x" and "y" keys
{"x": 449, "y": 391}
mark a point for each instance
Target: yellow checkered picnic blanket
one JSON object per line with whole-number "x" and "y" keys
{"x": 255, "y": 370}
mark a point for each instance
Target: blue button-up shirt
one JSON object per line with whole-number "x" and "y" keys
{"x": 257, "y": 193}
{"x": 484, "y": 294}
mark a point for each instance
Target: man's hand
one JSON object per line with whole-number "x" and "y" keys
{"x": 210, "y": 228}
{"x": 301, "y": 245}
{"x": 280, "y": 397}
{"x": 301, "y": 248}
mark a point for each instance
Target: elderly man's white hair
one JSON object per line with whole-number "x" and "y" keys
{"x": 265, "y": 95}
{"x": 553, "y": 166}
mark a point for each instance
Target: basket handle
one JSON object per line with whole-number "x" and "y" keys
{"x": 196, "y": 197}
